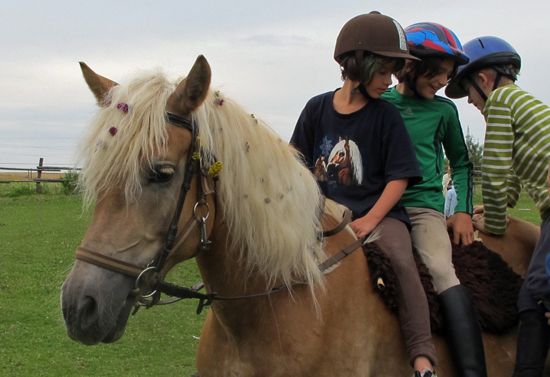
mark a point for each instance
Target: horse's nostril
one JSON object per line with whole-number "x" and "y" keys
{"x": 88, "y": 312}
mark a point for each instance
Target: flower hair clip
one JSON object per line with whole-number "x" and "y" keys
{"x": 219, "y": 100}
{"x": 123, "y": 107}
{"x": 215, "y": 169}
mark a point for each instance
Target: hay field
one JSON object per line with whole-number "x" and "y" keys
{"x": 21, "y": 176}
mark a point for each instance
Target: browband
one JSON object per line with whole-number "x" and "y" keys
{"x": 179, "y": 121}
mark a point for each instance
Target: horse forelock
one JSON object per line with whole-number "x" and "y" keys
{"x": 125, "y": 135}
{"x": 271, "y": 202}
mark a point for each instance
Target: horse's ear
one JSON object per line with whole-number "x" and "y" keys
{"x": 99, "y": 85}
{"x": 192, "y": 91}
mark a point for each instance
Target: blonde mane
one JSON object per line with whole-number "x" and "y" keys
{"x": 271, "y": 202}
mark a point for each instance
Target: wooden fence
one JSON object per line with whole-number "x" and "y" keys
{"x": 39, "y": 170}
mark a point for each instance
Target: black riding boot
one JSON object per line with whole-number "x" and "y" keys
{"x": 533, "y": 343}
{"x": 462, "y": 331}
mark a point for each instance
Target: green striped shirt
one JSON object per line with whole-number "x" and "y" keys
{"x": 517, "y": 145}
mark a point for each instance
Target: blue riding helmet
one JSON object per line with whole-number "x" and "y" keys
{"x": 485, "y": 52}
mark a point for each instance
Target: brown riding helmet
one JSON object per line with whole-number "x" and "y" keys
{"x": 375, "y": 33}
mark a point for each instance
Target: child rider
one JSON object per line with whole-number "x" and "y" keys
{"x": 516, "y": 150}
{"x": 433, "y": 124}
{"x": 370, "y": 160}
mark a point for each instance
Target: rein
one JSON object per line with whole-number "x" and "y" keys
{"x": 173, "y": 240}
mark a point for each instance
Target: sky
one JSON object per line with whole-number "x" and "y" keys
{"x": 270, "y": 56}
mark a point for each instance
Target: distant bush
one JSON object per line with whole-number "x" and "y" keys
{"x": 69, "y": 186}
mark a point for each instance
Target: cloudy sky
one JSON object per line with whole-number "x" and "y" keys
{"x": 271, "y": 56}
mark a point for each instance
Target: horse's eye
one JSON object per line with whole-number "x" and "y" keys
{"x": 342, "y": 154}
{"x": 161, "y": 174}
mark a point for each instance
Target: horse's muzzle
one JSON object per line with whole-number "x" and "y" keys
{"x": 96, "y": 304}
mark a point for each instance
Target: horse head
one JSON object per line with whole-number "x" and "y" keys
{"x": 345, "y": 165}
{"x": 135, "y": 159}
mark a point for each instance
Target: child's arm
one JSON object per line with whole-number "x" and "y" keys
{"x": 390, "y": 196}
{"x": 497, "y": 164}
{"x": 462, "y": 172}
{"x": 462, "y": 169}
{"x": 303, "y": 136}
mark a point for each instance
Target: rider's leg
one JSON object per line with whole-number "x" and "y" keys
{"x": 431, "y": 239}
{"x": 414, "y": 315}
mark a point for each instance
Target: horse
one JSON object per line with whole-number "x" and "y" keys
{"x": 152, "y": 158}
{"x": 345, "y": 165}
{"x": 320, "y": 171}
{"x": 516, "y": 246}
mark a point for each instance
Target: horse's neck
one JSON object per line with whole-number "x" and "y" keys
{"x": 223, "y": 271}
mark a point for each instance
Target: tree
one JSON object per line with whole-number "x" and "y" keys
{"x": 475, "y": 154}
{"x": 475, "y": 151}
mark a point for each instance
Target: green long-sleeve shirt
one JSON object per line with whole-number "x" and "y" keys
{"x": 517, "y": 145}
{"x": 435, "y": 130}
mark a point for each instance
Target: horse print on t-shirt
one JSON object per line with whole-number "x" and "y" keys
{"x": 344, "y": 164}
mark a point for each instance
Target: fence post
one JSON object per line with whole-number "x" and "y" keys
{"x": 39, "y": 174}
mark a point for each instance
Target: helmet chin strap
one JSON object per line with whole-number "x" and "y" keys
{"x": 497, "y": 80}
{"x": 476, "y": 87}
{"x": 411, "y": 83}
{"x": 361, "y": 88}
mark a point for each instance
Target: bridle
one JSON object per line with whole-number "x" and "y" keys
{"x": 173, "y": 239}
{"x": 151, "y": 274}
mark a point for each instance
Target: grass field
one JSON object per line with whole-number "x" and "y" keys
{"x": 38, "y": 238}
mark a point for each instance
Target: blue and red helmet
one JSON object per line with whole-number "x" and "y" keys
{"x": 427, "y": 39}
{"x": 485, "y": 52}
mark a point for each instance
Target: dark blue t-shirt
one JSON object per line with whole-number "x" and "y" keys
{"x": 354, "y": 156}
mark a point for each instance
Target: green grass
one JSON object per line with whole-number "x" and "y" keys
{"x": 38, "y": 238}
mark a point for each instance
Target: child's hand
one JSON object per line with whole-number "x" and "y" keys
{"x": 479, "y": 209}
{"x": 363, "y": 226}
{"x": 478, "y": 221}
{"x": 479, "y": 224}
{"x": 463, "y": 229}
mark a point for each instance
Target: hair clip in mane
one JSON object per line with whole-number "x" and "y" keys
{"x": 219, "y": 100}
{"x": 215, "y": 169}
{"x": 123, "y": 107}
{"x": 254, "y": 117}
{"x": 113, "y": 131}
